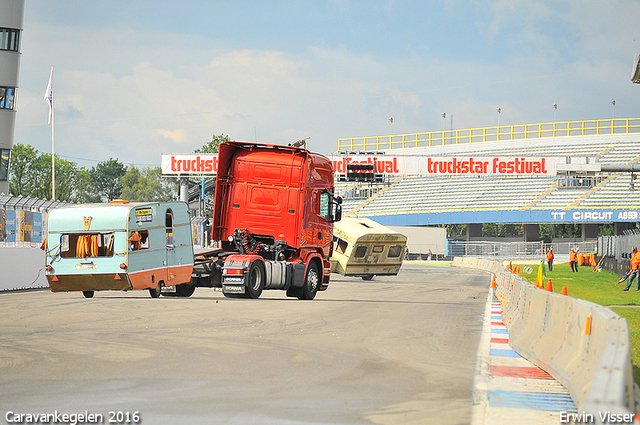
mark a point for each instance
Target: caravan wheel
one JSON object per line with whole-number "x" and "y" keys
{"x": 155, "y": 292}
{"x": 185, "y": 290}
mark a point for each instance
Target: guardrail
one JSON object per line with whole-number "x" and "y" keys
{"x": 495, "y": 250}
{"x": 583, "y": 345}
{"x": 490, "y": 134}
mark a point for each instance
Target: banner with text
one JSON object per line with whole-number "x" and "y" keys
{"x": 448, "y": 165}
{"x": 205, "y": 163}
{"x": 397, "y": 165}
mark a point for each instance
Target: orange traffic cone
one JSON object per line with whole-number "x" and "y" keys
{"x": 549, "y": 287}
{"x": 517, "y": 270}
{"x": 493, "y": 282}
{"x": 564, "y": 290}
{"x": 509, "y": 266}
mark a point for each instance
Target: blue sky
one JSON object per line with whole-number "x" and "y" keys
{"x": 137, "y": 79}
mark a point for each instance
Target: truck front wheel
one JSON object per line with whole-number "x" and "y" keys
{"x": 255, "y": 280}
{"x": 311, "y": 283}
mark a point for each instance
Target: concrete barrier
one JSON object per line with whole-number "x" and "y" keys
{"x": 584, "y": 346}
{"x": 22, "y": 268}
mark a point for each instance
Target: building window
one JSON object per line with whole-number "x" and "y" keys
{"x": 7, "y": 98}
{"x": 10, "y": 39}
{"x": 4, "y": 164}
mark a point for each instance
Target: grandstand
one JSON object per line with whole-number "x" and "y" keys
{"x": 430, "y": 198}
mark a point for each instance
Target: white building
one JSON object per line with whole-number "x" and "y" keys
{"x": 11, "y": 17}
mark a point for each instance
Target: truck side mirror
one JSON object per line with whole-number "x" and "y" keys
{"x": 337, "y": 214}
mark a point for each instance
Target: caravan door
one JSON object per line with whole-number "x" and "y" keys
{"x": 170, "y": 248}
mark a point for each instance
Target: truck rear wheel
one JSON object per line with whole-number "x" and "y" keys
{"x": 294, "y": 292}
{"x": 311, "y": 283}
{"x": 87, "y": 294}
{"x": 255, "y": 280}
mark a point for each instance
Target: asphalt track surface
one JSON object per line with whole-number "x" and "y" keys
{"x": 395, "y": 350}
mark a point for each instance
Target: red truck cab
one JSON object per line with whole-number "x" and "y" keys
{"x": 274, "y": 207}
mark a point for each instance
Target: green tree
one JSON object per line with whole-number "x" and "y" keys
{"x": 456, "y": 230}
{"x": 212, "y": 146}
{"x": 22, "y": 160}
{"x": 106, "y": 177}
{"x": 31, "y": 174}
{"x": 66, "y": 179}
{"x": 84, "y": 192}
{"x": 147, "y": 185}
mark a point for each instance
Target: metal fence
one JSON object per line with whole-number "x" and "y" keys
{"x": 23, "y": 220}
{"x": 618, "y": 247}
{"x": 519, "y": 250}
{"x": 489, "y": 134}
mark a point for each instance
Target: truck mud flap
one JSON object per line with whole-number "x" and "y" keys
{"x": 297, "y": 274}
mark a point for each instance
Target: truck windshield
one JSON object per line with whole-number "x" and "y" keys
{"x": 86, "y": 245}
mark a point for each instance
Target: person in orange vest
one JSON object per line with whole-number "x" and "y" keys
{"x": 550, "y": 258}
{"x": 573, "y": 259}
{"x": 635, "y": 269}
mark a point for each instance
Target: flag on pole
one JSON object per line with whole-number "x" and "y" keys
{"x": 625, "y": 277}
{"x": 48, "y": 95}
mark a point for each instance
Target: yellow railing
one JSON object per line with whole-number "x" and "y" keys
{"x": 490, "y": 134}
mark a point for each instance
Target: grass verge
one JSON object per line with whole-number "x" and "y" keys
{"x": 600, "y": 288}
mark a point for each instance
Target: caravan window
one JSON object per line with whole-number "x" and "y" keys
{"x": 86, "y": 245}
{"x": 361, "y": 251}
{"x": 340, "y": 245}
{"x": 169, "y": 226}
{"x": 395, "y": 251}
{"x": 138, "y": 239}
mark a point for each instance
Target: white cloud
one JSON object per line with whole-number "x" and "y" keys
{"x": 177, "y": 136}
{"x": 132, "y": 95}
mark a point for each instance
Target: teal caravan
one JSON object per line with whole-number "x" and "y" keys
{"x": 119, "y": 246}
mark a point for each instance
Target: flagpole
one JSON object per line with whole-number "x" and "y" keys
{"x": 48, "y": 97}
{"x": 53, "y": 144}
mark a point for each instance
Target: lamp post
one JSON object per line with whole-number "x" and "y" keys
{"x": 499, "y": 111}
{"x": 613, "y": 105}
{"x": 444, "y": 123}
{"x": 555, "y": 112}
